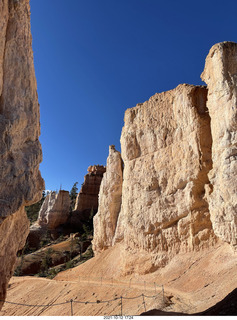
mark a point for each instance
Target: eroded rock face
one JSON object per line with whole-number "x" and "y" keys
{"x": 55, "y": 210}
{"x": 20, "y": 151}
{"x": 166, "y": 149}
{"x": 87, "y": 198}
{"x": 179, "y": 185}
{"x": 220, "y": 74}
{"x": 110, "y": 198}
{"x": 53, "y": 214}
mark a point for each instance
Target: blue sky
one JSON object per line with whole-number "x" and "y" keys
{"x": 96, "y": 58}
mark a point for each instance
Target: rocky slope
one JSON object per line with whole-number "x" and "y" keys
{"x": 20, "y": 151}
{"x": 178, "y": 187}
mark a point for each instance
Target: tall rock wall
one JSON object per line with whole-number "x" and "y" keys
{"x": 179, "y": 185}
{"x": 220, "y": 74}
{"x": 110, "y": 198}
{"x": 20, "y": 151}
{"x": 166, "y": 149}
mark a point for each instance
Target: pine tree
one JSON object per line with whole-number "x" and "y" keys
{"x": 33, "y": 210}
{"x": 73, "y": 195}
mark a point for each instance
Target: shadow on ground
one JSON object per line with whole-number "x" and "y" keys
{"x": 225, "y": 307}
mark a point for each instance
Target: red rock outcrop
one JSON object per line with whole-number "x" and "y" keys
{"x": 87, "y": 198}
{"x": 20, "y": 150}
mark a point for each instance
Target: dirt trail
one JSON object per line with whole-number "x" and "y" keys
{"x": 192, "y": 283}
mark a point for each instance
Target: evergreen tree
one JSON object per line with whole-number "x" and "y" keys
{"x": 73, "y": 195}
{"x": 33, "y": 210}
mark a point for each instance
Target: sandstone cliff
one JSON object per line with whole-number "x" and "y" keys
{"x": 220, "y": 74}
{"x": 105, "y": 221}
{"x": 20, "y": 151}
{"x": 178, "y": 188}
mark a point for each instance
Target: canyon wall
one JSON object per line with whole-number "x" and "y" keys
{"x": 179, "y": 154}
{"x": 20, "y": 150}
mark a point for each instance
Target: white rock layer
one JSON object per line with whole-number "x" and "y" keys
{"x": 220, "y": 74}
{"x": 55, "y": 210}
{"x": 105, "y": 221}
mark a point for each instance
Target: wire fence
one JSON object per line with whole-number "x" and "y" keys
{"x": 120, "y": 306}
{"x": 120, "y": 299}
{"x": 129, "y": 283}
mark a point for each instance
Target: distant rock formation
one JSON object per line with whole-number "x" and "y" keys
{"x": 87, "y": 199}
{"x": 55, "y": 217}
{"x": 54, "y": 212}
{"x": 171, "y": 146}
{"x": 20, "y": 150}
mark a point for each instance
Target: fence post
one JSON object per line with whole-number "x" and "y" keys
{"x": 71, "y": 307}
{"x": 155, "y": 286}
{"x": 121, "y": 305}
{"x": 163, "y": 295}
{"x": 144, "y": 301}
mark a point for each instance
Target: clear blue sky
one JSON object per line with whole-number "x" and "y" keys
{"x": 96, "y": 58}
